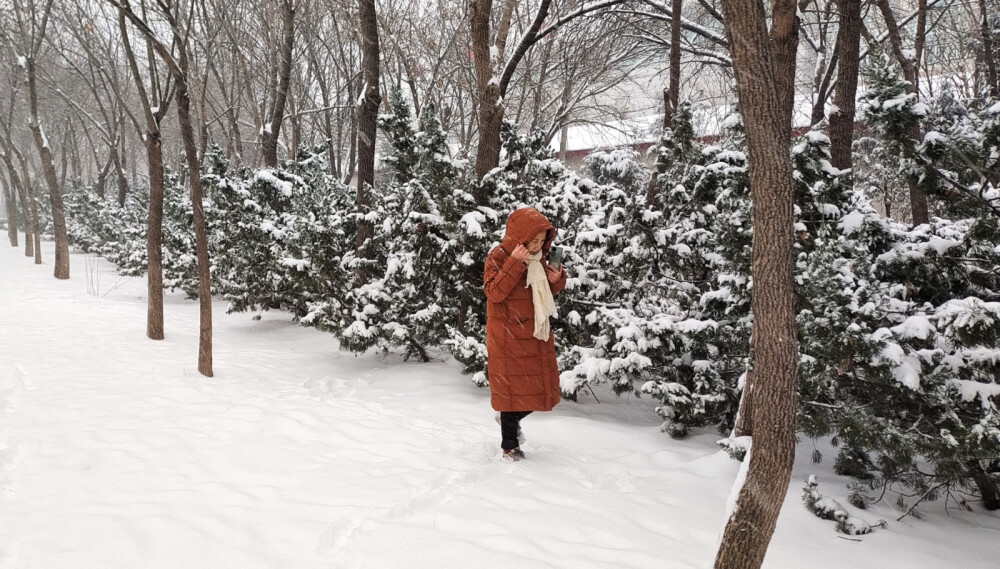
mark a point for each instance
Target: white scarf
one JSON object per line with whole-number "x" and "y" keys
{"x": 541, "y": 296}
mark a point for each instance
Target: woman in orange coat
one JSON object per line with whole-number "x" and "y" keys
{"x": 519, "y": 285}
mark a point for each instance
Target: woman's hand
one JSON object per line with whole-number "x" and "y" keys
{"x": 520, "y": 253}
{"x": 552, "y": 274}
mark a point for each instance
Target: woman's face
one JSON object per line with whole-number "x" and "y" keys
{"x": 535, "y": 245}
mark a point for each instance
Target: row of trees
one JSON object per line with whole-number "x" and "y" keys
{"x": 309, "y": 92}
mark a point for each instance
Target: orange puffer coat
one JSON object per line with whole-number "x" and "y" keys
{"x": 522, "y": 369}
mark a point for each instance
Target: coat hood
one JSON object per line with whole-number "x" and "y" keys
{"x": 523, "y": 225}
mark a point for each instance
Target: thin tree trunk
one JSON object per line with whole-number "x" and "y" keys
{"x": 367, "y": 123}
{"x": 848, "y": 63}
{"x": 201, "y": 237}
{"x": 29, "y": 225}
{"x": 36, "y": 227}
{"x": 992, "y": 81}
{"x": 17, "y": 187}
{"x": 764, "y": 65}
{"x": 269, "y": 139}
{"x": 49, "y": 172}
{"x": 102, "y": 178}
{"x": 674, "y": 87}
{"x": 10, "y": 204}
{"x": 120, "y": 179}
{"x": 63, "y": 156}
{"x": 154, "y": 217}
{"x": 671, "y": 95}
{"x": 36, "y": 231}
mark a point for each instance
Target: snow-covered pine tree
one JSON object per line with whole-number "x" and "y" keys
{"x": 618, "y": 167}
{"x": 255, "y": 220}
{"x": 410, "y": 299}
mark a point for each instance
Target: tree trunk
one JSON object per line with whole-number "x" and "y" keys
{"x": 674, "y": 87}
{"x": 29, "y": 225}
{"x": 743, "y": 426}
{"x": 848, "y": 63}
{"x": 154, "y": 237}
{"x": 488, "y": 92}
{"x": 269, "y": 138}
{"x": 120, "y": 179}
{"x": 10, "y": 205}
{"x": 154, "y": 163}
{"x": 367, "y": 123}
{"x": 63, "y": 156}
{"x": 671, "y": 95}
{"x": 49, "y": 172}
{"x": 993, "y": 85}
{"x": 18, "y": 192}
{"x": 764, "y": 65}
{"x": 102, "y": 177}
{"x": 36, "y": 231}
{"x": 200, "y": 234}
{"x": 989, "y": 490}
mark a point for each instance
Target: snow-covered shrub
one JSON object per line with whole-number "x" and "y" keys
{"x": 619, "y": 167}
{"x": 829, "y": 509}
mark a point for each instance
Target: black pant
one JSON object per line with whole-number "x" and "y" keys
{"x": 510, "y": 422}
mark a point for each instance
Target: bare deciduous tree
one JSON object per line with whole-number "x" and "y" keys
{"x": 33, "y": 20}
{"x": 178, "y": 17}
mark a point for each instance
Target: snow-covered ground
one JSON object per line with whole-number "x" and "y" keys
{"x": 116, "y": 453}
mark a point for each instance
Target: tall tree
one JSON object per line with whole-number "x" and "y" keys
{"x": 367, "y": 123}
{"x": 33, "y": 20}
{"x": 160, "y": 90}
{"x": 178, "y": 18}
{"x": 764, "y": 65}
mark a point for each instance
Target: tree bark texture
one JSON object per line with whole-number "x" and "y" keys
{"x": 154, "y": 237}
{"x": 367, "y": 123}
{"x": 61, "y": 270}
{"x": 848, "y": 63}
{"x": 764, "y": 64}
{"x": 488, "y": 88}
{"x": 269, "y": 137}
